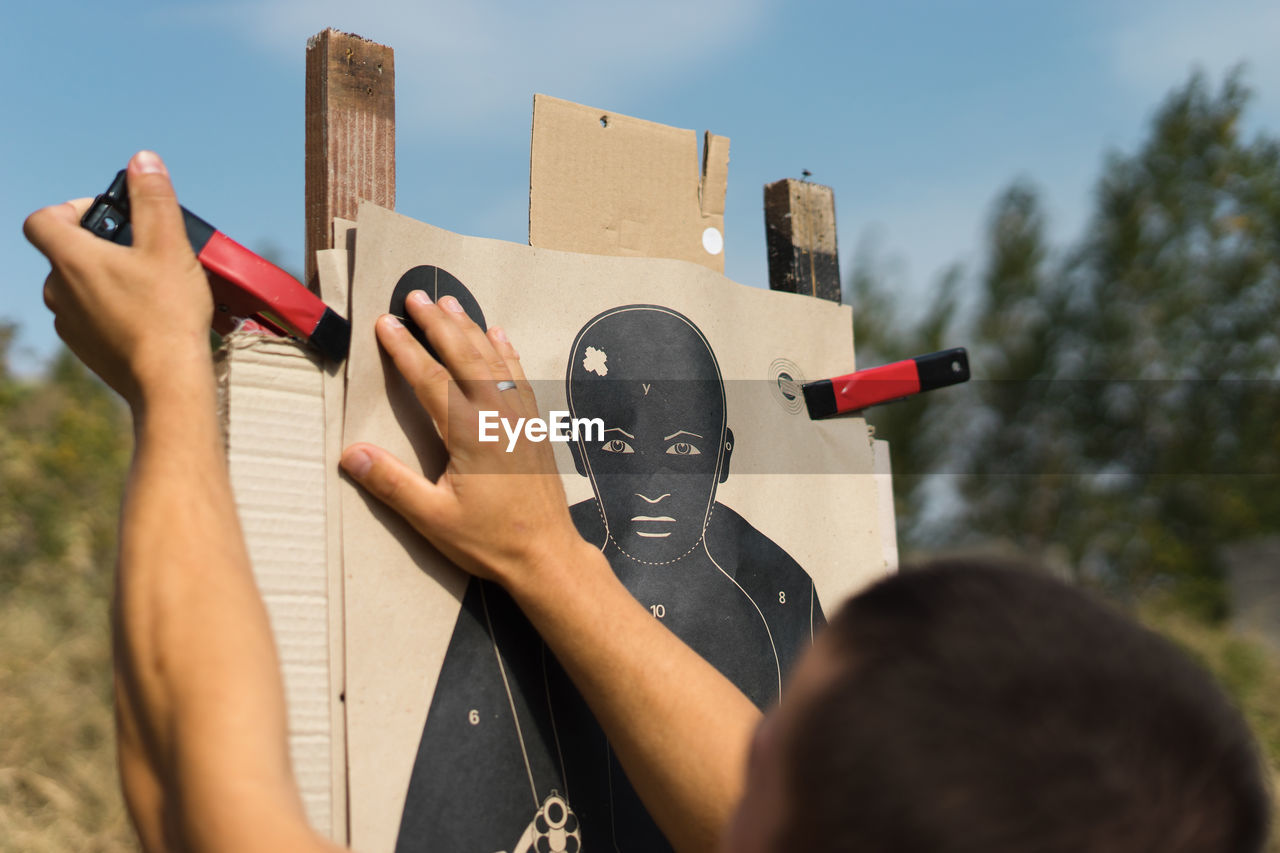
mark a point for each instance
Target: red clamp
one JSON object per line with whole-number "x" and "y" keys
{"x": 877, "y": 385}
{"x": 248, "y": 290}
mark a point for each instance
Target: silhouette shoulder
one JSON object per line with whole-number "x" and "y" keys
{"x": 732, "y": 540}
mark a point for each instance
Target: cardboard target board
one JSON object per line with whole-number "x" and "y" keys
{"x": 725, "y": 510}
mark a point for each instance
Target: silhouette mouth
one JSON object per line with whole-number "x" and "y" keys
{"x": 665, "y": 519}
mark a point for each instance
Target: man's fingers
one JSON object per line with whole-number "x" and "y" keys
{"x": 153, "y": 207}
{"x": 79, "y": 207}
{"x": 448, "y": 335}
{"x": 426, "y": 376}
{"x": 53, "y": 229}
{"x": 499, "y": 397}
{"x": 422, "y": 503}
{"x": 511, "y": 359}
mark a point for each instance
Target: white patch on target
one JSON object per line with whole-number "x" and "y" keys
{"x": 594, "y": 361}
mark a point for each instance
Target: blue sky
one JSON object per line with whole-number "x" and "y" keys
{"x": 917, "y": 113}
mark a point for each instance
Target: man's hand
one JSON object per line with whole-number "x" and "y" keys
{"x": 138, "y": 315}
{"x": 495, "y": 513}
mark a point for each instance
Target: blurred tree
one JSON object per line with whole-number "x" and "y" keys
{"x": 64, "y": 445}
{"x": 1131, "y": 417}
{"x": 920, "y": 429}
{"x": 1021, "y": 447}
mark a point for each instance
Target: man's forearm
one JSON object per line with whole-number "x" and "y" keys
{"x": 195, "y": 658}
{"x": 200, "y": 705}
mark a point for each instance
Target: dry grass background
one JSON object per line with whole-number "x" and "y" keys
{"x": 63, "y": 451}
{"x": 58, "y": 784}
{"x": 64, "y": 445}
{"x": 1250, "y": 672}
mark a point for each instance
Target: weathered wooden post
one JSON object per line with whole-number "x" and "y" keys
{"x": 351, "y": 133}
{"x": 800, "y": 236}
{"x": 350, "y": 157}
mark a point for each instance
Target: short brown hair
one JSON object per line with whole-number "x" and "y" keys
{"x": 983, "y": 708}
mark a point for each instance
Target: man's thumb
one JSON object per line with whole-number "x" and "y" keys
{"x": 392, "y": 482}
{"x": 153, "y": 208}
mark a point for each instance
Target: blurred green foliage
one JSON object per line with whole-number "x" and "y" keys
{"x": 64, "y": 446}
{"x": 1122, "y": 419}
{"x": 1123, "y": 422}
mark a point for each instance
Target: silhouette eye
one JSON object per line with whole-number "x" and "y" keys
{"x": 617, "y": 445}
{"x": 683, "y": 448}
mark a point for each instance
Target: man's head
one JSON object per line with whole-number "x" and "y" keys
{"x": 651, "y": 376}
{"x": 973, "y": 708}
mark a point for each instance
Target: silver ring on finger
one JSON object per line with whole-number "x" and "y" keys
{"x": 506, "y": 385}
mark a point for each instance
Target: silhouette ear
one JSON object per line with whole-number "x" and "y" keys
{"x": 575, "y": 449}
{"x": 728, "y": 454}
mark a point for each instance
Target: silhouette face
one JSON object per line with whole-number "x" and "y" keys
{"x": 649, "y": 374}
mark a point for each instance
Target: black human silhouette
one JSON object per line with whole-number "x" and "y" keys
{"x": 507, "y": 734}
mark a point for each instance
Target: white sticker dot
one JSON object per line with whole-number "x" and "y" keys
{"x": 712, "y": 241}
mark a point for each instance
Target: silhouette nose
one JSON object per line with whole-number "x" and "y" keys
{"x": 650, "y": 500}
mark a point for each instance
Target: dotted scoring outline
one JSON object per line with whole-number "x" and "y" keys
{"x": 623, "y": 551}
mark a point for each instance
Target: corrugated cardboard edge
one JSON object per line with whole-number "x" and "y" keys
{"x": 609, "y": 184}
{"x": 273, "y": 417}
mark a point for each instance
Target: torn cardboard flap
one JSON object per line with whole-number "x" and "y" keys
{"x": 715, "y": 176}
{"x": 344, "y": 239}
{"x": 609, "y": 184}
